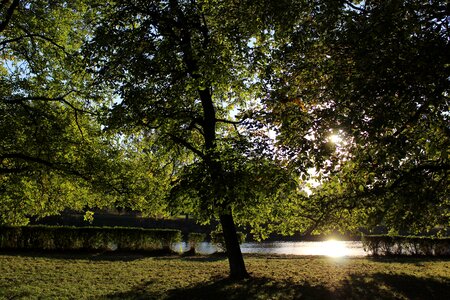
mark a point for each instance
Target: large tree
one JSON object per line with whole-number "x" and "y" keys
{"x": 187, "y": 74}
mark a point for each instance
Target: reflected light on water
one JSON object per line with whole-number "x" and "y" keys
{"x": 330, "y": 248}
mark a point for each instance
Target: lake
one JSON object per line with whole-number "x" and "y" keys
{"x": 330, "y": 248}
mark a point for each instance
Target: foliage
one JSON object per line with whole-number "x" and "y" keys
{"x": 53, "y": 152}
{"x": 406, "y": 245}
{"x": 195, "y": 238}
{"x": 376, "y": 74}
{"x": 46, "y": 130}
{"x": 87, "y": 238}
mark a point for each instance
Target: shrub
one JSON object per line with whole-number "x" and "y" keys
{"x": 87, "y": 238}
{"x": 405, "y": 245}
{"x": 218, "y": 240}
{"x": 194, "y": 238}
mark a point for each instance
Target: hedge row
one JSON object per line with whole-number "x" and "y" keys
{"x": 386, "y": 245}
{"x": 87, "y": 238}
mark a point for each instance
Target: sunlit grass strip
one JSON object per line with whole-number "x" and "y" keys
{"x": 132, "y": 276}
{"x": 87, "y": 238}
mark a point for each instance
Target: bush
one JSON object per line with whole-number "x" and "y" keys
{"x": 194, "y": 239}
{"x": 87, "y": 238}
{"x": 218, "y": 240}
{"x": 387, "y": 245}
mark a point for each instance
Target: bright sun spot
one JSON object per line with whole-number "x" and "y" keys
{"x": 335, "y": 138}
{"x": 334, "y": 248}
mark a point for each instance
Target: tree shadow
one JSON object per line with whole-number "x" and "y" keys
{"x": 140, "y": 291}
{"x": 393, "y": 286}
{"x": 205, "y": 258}
{"x": 377, "y": 286}
{"x": 407, "y": 259}
{"x": 253, "y": 288}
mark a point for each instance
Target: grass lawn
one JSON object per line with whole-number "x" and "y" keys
{"x": 133, "y": 276}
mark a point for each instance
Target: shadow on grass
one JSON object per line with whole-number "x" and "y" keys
{"x": 217, "y": 289}
{"x": 254, "y": 288}
{"x": 205, "y": 258}
{"x": 407, "y": 259}
{"x": 140, "y": 291}
{"x": 90, "y": 255}
{"x": 394, "y": 286}
{"x": 377, "y": 286}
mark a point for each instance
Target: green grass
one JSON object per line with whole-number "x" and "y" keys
{"x": 133, "y": 276}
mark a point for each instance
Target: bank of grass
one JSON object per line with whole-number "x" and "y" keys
{"x": 133, "y": 276}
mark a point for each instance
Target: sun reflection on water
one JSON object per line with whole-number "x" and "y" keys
{"x": 330, "y": 248}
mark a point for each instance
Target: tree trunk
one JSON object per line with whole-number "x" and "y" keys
{"x": 208, "y": 123}
{"x": 235, "y": 259}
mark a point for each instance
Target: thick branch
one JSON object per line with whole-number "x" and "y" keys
{"x": 13, "y": 170}
{"x": 26, "y": 158}
{"x": 9, "y": 14}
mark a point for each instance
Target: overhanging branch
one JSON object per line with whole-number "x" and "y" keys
{"x": 57, "y": 166}
{"x": 61, "y": 99}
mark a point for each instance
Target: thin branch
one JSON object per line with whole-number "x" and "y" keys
{"x": 186, "y": 144}
{"x": 438, "y": 93}
{"x": 33, "y": 35}
{"x": 57, "y": 99}
{"x": 50, "y": 40}
{"x": 49, "y": 99}
{"x": 349, "y": 3}
{"x": 58, "y": 166}
{"x": 231, "y": 122}
{"x": 5, "y": 42}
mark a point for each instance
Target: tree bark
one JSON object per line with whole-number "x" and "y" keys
{"x": 235, "y": 258}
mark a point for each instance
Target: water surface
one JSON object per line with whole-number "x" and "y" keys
{"x": 327, "y": 248}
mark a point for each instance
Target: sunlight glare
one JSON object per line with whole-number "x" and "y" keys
{"x": 335, "y": 138}
{"x": 334, "y": 248}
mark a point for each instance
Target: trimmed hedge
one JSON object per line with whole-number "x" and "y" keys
{"x": 386, "y": 245}
{"x": 42, "y": 237}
